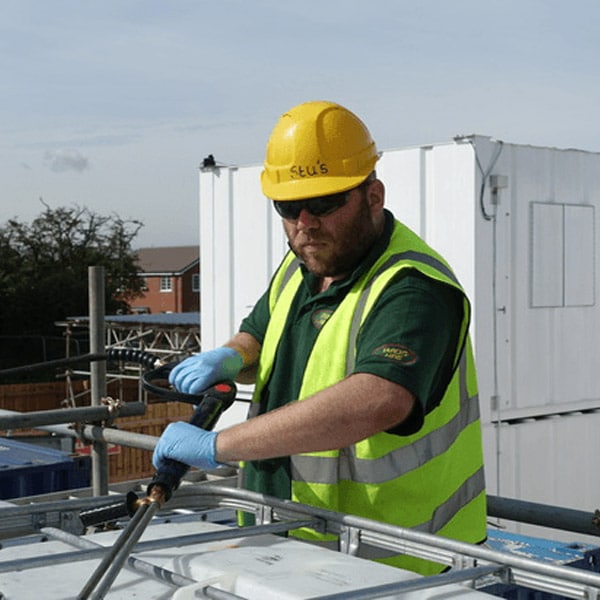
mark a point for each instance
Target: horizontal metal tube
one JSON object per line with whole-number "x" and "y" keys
{"x": 416, "y": 584}
{"x": 556, "y": 517}
{"x": 218, "y": 594}
{"x": 215, "y": 495}
{"x": 34, "y": 562}
{"x": 130, "y": 439}
{"x": 57, "y": 506}
{"x": 20, "y": 420}
{"x": 59, "y": 362}
{"x": 133, "y": 562}
{"x": 93, "y": 433}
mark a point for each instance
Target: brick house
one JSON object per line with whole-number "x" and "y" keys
{"x": 172, "y": 280}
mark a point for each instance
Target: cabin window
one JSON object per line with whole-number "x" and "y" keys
{"x": 562, "y": 249}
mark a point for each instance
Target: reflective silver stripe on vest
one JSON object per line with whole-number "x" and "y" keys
{"x": 362, "y": 301}
{"x": 471, "y": 488}
{"x": 317, "y": 469}
{"x": 289, "y": 273}
{"x": 468, "y": 491}
{"x": 426, "y": 259}
{"x": 328, "y": 470}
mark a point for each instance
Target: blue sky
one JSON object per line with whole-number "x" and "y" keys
{"x": 113, "y": 104}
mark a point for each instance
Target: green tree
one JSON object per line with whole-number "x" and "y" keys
{"x": 44, "y": 267}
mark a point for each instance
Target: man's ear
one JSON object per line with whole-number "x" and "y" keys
{"x": 376, "y": 195}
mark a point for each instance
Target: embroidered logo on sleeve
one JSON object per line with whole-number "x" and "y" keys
{"x": 397, "y": 353}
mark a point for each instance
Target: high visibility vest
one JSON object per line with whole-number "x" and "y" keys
{"x": 432, "y": 480}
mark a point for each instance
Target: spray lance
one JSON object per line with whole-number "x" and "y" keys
{"x": 209, "y": 405}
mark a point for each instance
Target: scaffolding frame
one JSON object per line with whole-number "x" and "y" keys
{"x": 161, "y": 336}
{"x": 476, "y": 566}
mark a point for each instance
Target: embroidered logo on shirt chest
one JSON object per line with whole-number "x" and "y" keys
{"x": 320, "y": 317}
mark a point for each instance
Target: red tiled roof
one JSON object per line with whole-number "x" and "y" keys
{"x": 168, "y": 259}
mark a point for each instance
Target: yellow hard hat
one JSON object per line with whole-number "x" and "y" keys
{"x": 317, "y": 148}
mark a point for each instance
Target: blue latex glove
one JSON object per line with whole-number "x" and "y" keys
{"x": 200, "y": 371}
{"x": 187, "y": 444}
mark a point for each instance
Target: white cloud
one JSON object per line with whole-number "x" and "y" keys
{"x": 61, "y": 161}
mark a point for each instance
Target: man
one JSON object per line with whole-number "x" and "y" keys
{"x": 366, "y": 398}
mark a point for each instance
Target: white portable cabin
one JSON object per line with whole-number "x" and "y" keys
{"x": 518, "y": 224}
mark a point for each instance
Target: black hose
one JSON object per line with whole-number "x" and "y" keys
{"x": 141, "y": 357}
{"x": 157, "y": 372}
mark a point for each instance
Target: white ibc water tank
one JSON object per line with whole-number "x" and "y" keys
{"x": 269, "y": 567}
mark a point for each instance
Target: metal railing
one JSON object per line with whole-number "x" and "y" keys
{"x": 83, "y": 423}
{"x": 479, "y": 565}
{"x": 467, "y": 561}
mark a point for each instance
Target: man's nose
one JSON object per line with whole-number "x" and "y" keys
{"x": 306, "y": 220}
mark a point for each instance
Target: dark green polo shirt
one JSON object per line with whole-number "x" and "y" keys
{"x": 409, "y": 337}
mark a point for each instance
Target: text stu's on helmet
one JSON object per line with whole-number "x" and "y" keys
{"x": 308, "y": 171}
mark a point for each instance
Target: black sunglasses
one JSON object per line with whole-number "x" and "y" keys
{"x": 318, "y": 207}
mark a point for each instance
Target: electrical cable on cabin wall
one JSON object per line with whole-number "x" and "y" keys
{"x": 484, "y": 176}
{"x": 484, "y": 173}
{"x": 492, "y": 217}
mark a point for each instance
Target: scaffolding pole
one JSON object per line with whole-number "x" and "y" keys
{"x": 85, "y": 414}
{"x": 98, "y": 374}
